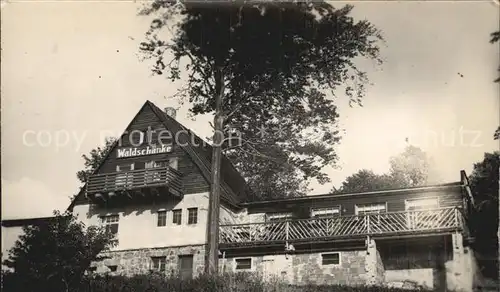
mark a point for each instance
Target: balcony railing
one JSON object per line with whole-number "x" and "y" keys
{"x": 407, "y": 222}
{"x": 135, "y": 180}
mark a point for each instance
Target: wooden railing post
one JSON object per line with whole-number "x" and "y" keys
{"x": 410, "y": 215}
{"x": 368, "y": 223}
{"x": 456, "y": 217}
{"x": 287, "y": 225}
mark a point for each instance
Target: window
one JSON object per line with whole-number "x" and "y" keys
{"x": 124, "y": 179}
{"x": 278, "y": 216}
{"x": 158, "y": 263}
{"x": 243, "y": 264}
{"x": 325, "y": 212}
{"x": 153, "y": 175}
{"x": 192, "y": 215}
{"x": 162, "y": 218}
{"x": 177, "y": 217}
{"x": 125, "y": 167}
{"x": 422, "y": 204}
{"x": 371, "y": 209}
{"x": 113, "y": 268}
{"x": 110, "y": 222}
{"x": 330, "y": 258}
{"x": 154, "y": 164}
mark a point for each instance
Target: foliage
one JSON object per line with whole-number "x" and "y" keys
{"x": 94, "y": 159}
{"x": 484, "y": 178}
{"x": 413, "y": 167}
{"x": 495, "y": 38}
{"x": 53, "y": 255}
{"x": 366, "y": 180}
{"x": 241, "y": 282}
{"x": 484, "y": 184}
{"x": 273, "y": 65}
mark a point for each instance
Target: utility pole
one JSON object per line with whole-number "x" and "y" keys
{"x": 212, "y": 250}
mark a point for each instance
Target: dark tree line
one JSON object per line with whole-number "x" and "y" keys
{"x": 411, "y": 168}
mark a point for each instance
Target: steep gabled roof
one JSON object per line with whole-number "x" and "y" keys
{"x": 233, "y": 186}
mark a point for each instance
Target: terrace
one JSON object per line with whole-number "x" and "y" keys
{"x": 152, "y": 182}
{"x": 392, "y": 224}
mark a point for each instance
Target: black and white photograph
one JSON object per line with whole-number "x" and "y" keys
{"x": 250, "y": 146}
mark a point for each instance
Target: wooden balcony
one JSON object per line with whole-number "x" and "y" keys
{"x": 151, "y": 182}
{"x": 435, "y": 221}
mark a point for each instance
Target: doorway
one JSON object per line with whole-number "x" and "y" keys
{"x": 186, "y": 266}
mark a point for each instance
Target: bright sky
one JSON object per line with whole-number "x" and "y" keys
{"x": 73, "y": 67}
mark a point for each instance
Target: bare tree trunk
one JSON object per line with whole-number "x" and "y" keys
{"x": 212, "y": 252}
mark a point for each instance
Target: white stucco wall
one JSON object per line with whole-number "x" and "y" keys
{"x": 138, "y": 224}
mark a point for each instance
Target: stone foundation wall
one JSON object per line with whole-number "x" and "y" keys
{"x": 356, "y": 267}
{"x": 307, "y": 268}
{"x": 138, "y": 261}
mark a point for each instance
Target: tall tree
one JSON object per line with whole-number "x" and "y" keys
{"x": 54, "y": 255}
{"x": 278, "y": 61}
{"x": 263, "y": 66}
{"x": 495, "y": 38}
{"x": 366, "y": 180}
{"x": 484, "y": 182}
{"x": 412, "y": 167}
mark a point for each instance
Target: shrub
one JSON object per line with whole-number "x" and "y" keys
{"x": 241, "y": 282}
{"x": 53, "y": 255}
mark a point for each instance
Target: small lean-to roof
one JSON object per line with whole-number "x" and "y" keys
{"x": 234, "y": 187}
{"x": 19, "y": 222}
